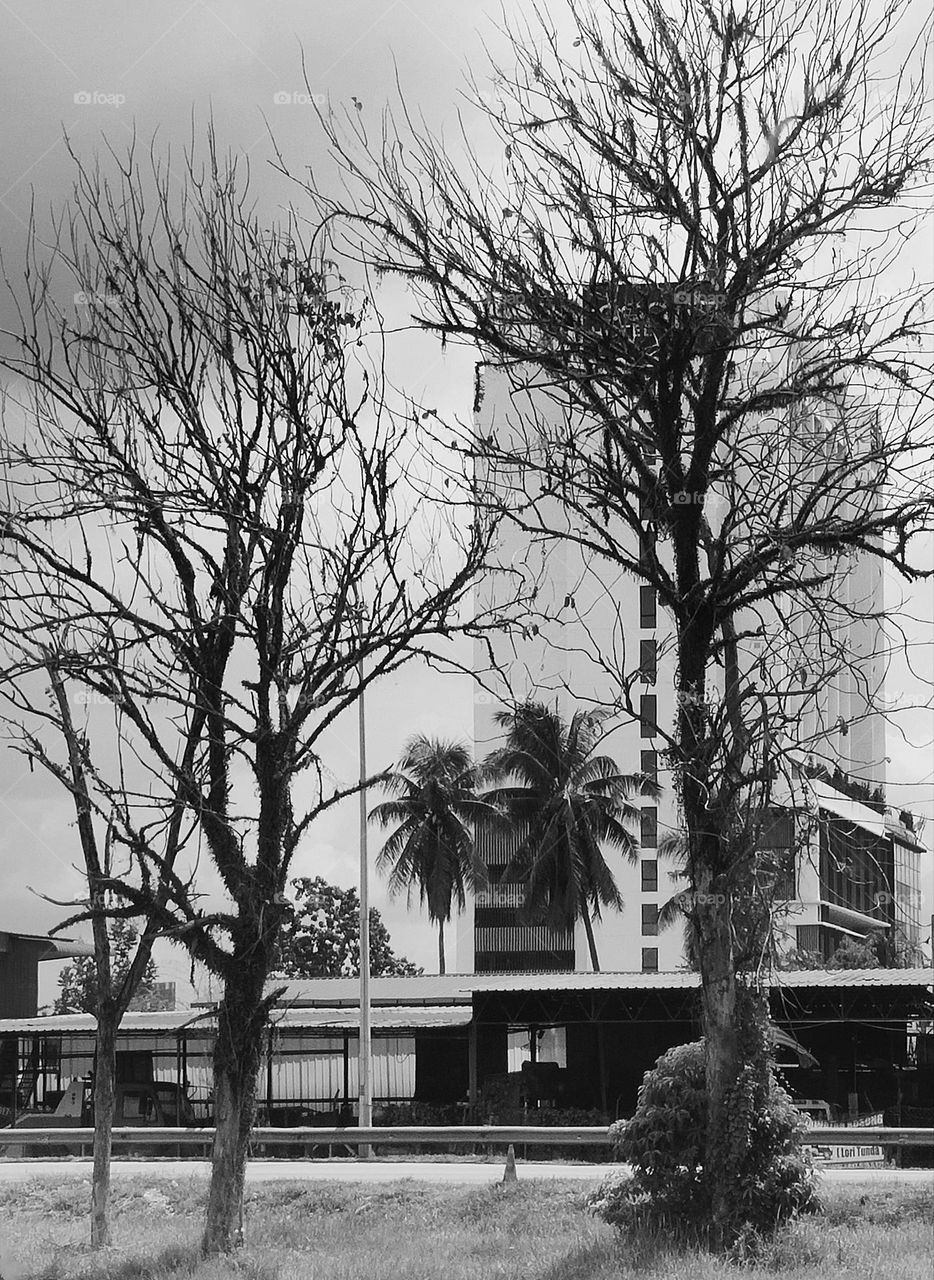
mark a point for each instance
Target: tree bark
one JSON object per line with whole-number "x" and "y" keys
{"x": 591, "y": 943}
{"x": 241, "y": 1018}
{"x": 441, "y": 946}
{"x": 104, "y": 1072}
{"x": 722, "y": 1040}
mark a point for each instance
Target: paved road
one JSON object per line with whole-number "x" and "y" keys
{"x": 385, "y": 1171}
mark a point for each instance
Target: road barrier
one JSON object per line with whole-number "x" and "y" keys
{"x": 416, "y": 1135}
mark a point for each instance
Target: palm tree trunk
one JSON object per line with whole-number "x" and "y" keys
{"x": 441, "y": 946}
{"x": 588, "y": 929}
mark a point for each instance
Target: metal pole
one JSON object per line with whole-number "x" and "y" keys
{"x": 365, "y": 1065}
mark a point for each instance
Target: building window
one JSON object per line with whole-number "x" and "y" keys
{"x": 649, "y": 919}
{"x": 648, "y": 715}
{"x": 648, "y": 661}
{"x": 648, "y": 616}
{"x": 649, "y": 875}
{"x": 649, "y": 765}
{"x": 648, "y": 834}
{"x": 856, "y": 868}
{"x": 650, "y": 959}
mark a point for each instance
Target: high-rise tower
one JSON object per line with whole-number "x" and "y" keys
{"x": 597, "y": 638}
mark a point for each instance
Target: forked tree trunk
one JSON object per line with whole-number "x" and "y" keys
{"x": 104, "y": 1072}
{"x": 441, "y": 946}
{"x": 237, "y": 1056}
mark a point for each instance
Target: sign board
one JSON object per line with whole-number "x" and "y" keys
{"x": 851, "y": 1155}
{"x": 848, "y": 1157}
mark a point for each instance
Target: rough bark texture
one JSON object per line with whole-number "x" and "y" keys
{"x": 237, "y": 1055}
{"x": 441, "y": 968}
{"x": 722, "y": 1039}
{"x": 104, "y": 1071}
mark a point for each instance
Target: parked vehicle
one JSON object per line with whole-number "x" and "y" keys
{"x": 139, "y": 1101}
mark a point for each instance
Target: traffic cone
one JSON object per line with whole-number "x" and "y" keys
{"x": 510, "y": 1173}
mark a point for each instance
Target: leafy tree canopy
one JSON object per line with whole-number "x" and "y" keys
{"x": 321, "y": 936}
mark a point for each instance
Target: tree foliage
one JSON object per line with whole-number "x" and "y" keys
{"x": 665, "y": 1143}
{"x": 565, "y": 802}
{"x": 77, "y": 981}
{"x": 436, "y": 811}
{"x": 321, "y": 936}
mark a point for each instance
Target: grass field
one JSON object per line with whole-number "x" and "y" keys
{"x": 408, "y": 1231}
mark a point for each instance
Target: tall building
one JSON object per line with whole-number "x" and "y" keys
{"x": 591, "y": 626}
{"x": 590, "y": 623}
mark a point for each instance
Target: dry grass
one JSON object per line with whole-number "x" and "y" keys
{"x": 413, "y": 1231}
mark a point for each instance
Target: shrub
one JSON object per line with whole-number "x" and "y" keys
{"x": 666, "y": 1139}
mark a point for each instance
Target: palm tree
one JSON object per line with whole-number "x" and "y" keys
{"x": 437, "y": 809}
{"x": 565, "y": 802}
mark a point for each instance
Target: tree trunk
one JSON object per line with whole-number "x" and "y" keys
{"x": 104, "y": 1071}
{"x": 588, "y": 929}
{"x": 722, "y": 1039}
{"x": 241, "y": 1019}
{"x": 441, "y": 946}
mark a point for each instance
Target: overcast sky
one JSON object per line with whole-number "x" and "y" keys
{"x": 98, "y": 70}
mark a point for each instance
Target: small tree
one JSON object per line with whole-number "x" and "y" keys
{"x": 565, "y": 802}
{"x": 321, "y": 936}
{"x": 437, "y": 811}
{"x": 221, "y": 534}
{"x": 119, "y": 966}
{"x": 78, "y": 980}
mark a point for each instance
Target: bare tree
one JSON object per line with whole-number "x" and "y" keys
{"x": 220, "y": 533}
{"x": 686, "y": 264}
{"x": 96, "y": 822}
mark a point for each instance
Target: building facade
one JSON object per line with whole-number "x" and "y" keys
{"x": 597, "y": 638}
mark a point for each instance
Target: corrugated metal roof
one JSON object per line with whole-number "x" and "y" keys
{"x": 395, "y": 1017}
{"x": 855, "y": 978}
{"x": 331, "y": 1002}
{"x": 684, "y": 981}
{"x": 428, "y": 988}
{"x": 398, "y": 1018}
{"x": 335, "y": 991}
{"x": 680, "y": 981}
{"x": 161, "y": 1020}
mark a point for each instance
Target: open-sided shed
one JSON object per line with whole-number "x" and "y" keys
{"x": 487, "y": 1045}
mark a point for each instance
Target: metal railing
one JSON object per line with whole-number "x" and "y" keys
{"x": 434, "y": 1135}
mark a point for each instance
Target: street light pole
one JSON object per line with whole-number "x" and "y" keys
{"x": 365, "y": 1064}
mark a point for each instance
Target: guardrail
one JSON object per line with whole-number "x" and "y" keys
{"x": 448, "y": 1135}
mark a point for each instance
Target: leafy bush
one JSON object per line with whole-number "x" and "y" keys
{"x": 665, "y": 1142}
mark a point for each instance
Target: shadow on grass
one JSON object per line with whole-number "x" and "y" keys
{"x": 176, "y": 1259}
{"x": 586, "y": 1262}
